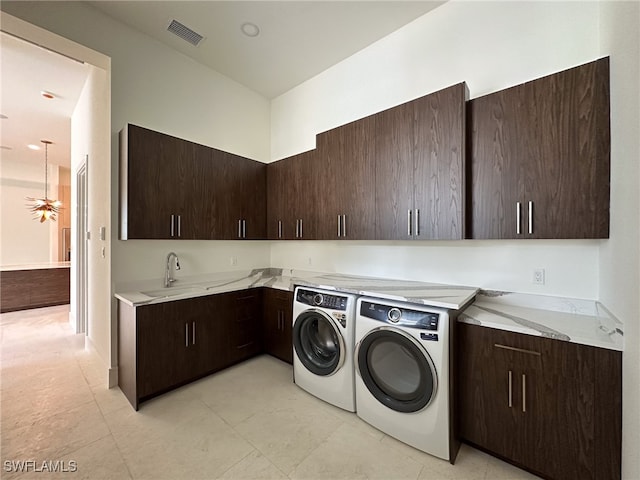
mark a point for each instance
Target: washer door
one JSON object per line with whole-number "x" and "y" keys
{"x": 318, "y": 343}
{"x": 396, "y": 369}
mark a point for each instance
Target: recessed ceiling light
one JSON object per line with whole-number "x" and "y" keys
{"x": 250, "y": 29}
{"x": 33, "y": 147}
{"x": 47, "y": 95}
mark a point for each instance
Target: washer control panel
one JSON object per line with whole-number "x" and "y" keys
{"x": 400, "y": 316}
{"x": 323, "y": 300}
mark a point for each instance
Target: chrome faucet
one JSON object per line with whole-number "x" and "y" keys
{"x": 168, "y": 277}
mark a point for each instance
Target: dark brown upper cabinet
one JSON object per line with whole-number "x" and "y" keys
{"x": 540, "y": 157}
{"x": 154, "y": 176}
{"x": 346, "y": 180}
{"x": 419, "y": 168}
{"x": 240, "y": 190}
{"x": 176, "y": 189}
{"x": 292, "y": 186}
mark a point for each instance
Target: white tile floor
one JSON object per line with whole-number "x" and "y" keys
{"x": 247, "y": 422}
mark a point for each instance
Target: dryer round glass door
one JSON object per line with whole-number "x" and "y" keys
{"x": 318, "y": 343}
{"x": 396, "y": 369}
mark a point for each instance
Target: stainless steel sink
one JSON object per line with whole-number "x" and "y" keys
{"x": 173, "y": 292}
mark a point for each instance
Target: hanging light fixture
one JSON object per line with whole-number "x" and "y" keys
{"x": 44, "y": 208}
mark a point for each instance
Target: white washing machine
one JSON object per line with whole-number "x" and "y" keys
{"x": 323, "y": 342}
{"x": 402, "y": 372}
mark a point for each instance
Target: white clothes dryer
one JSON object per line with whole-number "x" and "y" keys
{"x": 402, "y": 372}
{"x": 323, "y": 342}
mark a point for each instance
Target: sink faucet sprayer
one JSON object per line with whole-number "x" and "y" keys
{"x": 168, "y": 277}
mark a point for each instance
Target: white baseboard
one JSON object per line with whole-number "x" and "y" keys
{"x": 111, "y": 372}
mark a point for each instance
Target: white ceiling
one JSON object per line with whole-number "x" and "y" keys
{"x": 26, "y": 70}
{"x": 297, "y": 40}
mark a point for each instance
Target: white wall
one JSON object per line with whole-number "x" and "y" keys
{"x": 90, "y": 139}
{"x": 23, "y": 240}
{"x": 620, "y": 256}
{"x": 490, "y": 45}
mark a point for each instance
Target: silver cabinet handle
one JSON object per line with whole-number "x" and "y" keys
{"x": 239, "y": 228}
{"x": 301, "y": 234}
{"x": 518, "y": 219}
{"x": 409, "y": 222}
{"x": 344, "y": 225}
{"x": 179, "y": 225}
{"x": 339, "y": 227}
{"x": 524, "y": 393}
{"x": 186, "y": 334}
{"x": 193, "y": 333}
{"x": 244, "y": 229}
{"x": 417, "y": 230}
{"x": 530, "y": 217}
{"x": 279, "y": 228}
{"x": 510, "y": 389}
{"x": 173, "y": 233}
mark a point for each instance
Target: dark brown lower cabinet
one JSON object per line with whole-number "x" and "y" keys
{"x": 277, "y": 324}
{"x": 166, "y": 345}
{"x": 244, "y": 324}
{"x": 548, "y": 406}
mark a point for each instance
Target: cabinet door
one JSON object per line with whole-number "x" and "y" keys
{"x": 279, "y": 220}
{"x": 487, "y": 402}
{"x": 567, "y": 172}
{"x": 165, "y": 355}
{"x": 209, "y": 335}
{"x": 198, "y": 220}
{"x": 254, "y": 198}
{"x": 439, "y": 165}
{"x": 496, "y": 149}
{"x": 394, "y": 141}
{"x": 154, "y": 169}
{"x": 245, "y": 333}
{"x": 278, "y": 323}
{"x": 346, "y": 168}
{"x": 306, "y": 182}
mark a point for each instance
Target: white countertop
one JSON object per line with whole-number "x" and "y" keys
{"x": 580, "y": 321}
{"x": 586, "y": 322}
{"x": 437, "y": 295}
{"x": 34, "y": 266}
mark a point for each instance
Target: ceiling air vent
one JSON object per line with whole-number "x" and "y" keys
{"x": 184, "y": 32}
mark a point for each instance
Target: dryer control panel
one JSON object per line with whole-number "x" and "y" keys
{"x": 400, "y": 316}
{"x": 323, "y": 300}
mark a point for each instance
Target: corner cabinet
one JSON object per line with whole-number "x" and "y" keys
{"x": 292, "y": 197}
{"x": 548, "y": 406}
{"x": 175, "y": 189}
{"x": 540, "y": 157}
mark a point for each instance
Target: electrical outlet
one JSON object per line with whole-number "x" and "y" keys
{"x": 309, "y": 260}
{"x": 538, "y": 276}
{"x": 233, "y": 261}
